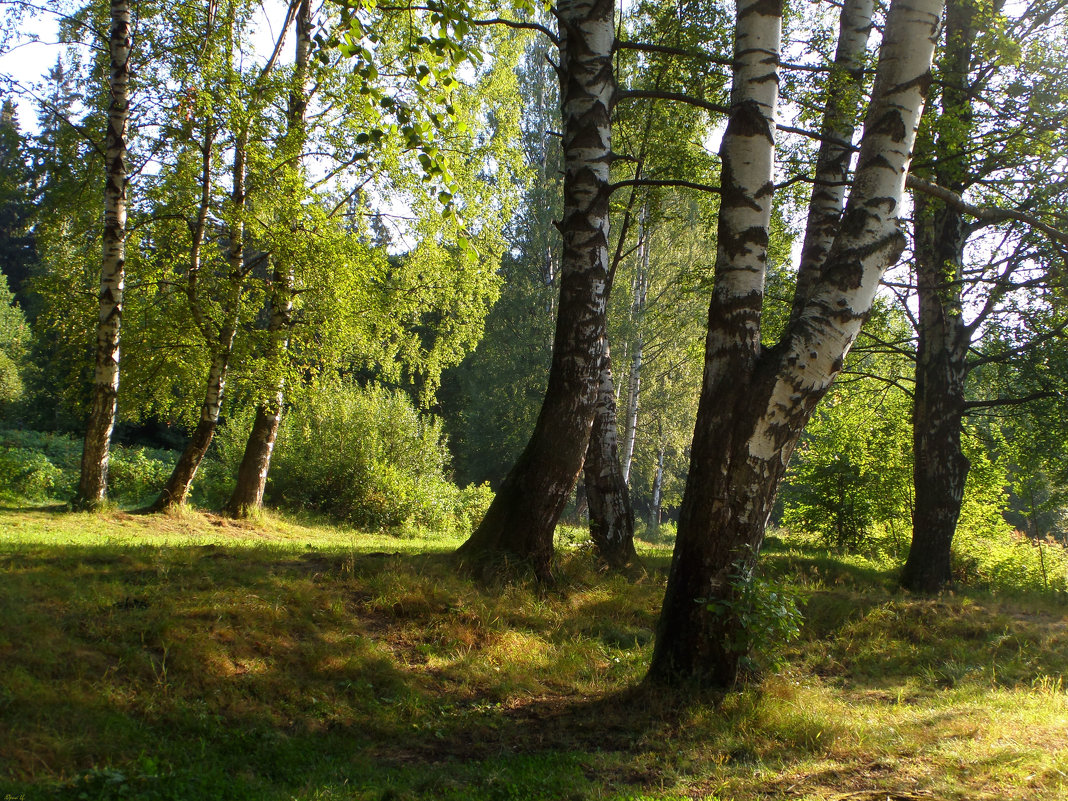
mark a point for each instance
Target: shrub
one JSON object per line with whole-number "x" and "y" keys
{"x": 27, "y": 474}
{"x": 136, "y": 475}
{"x": 367, "y": 456}
{"x": 38, "y": 466}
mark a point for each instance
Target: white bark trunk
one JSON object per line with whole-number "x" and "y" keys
{"x": 747, "y": 152}
{"x": 92, "y": 487}
{"x": 870, "y": 236}
{"x": 641, "y": 287}
{"x": 844, "y": 88}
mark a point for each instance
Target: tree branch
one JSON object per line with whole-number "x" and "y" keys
{"x": 986, "y": 404}
{"x": 678, "y": 97}
{"x": 667, "y": 182}
{"x": 985, "y": 215}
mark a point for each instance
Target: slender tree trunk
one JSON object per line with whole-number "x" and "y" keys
{"x": 611, "y": 514}
{"x": 523, "y": 516}
{"x": 940, "y": 468}
{"x": 256, "y": 460}
{"x": 641, "y": 287}
{"x": 176, "y": 490}
{"x": 754, "y": 404}
{"x": 92, "y": 485}
{"x": 658, "y": 480}
{"x": 844, "y": 93}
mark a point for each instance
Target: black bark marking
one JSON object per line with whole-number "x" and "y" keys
{"x": 739, "y": 243}
{"x": 765, "y": 8}
{"x": 890, "y": 124}
{"x": 748, "y": 120}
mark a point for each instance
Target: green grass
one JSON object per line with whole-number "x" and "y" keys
{"x": 189, "y": 657}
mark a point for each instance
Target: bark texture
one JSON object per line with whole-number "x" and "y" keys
{"x": 522, "y": 518}
{"x": 844, "y": 92}
{"x": 92, "y": 484}
{"x": 611, "y": 514}
{"x": 940, "y": 468}
{"x": 754, "y": 404}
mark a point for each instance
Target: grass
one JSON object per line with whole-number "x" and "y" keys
{"x": 189, "y": 657}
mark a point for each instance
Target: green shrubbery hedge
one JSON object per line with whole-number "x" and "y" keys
{"x": 367, "y": 456}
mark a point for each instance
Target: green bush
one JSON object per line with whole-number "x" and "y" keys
{"x": 38, "y": 466}
{"x": 27, "y": 474}
{"x": 368, "y": 457}
{"x": 136, "y": 475}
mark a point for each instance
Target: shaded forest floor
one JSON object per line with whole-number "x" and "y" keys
{"x": 188, "y": 657}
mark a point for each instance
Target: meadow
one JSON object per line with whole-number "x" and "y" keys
{"x": 194, "y": 657}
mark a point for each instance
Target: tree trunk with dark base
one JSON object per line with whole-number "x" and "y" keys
{"x": 940, "y": 467}
{"x": 176, "y": 490}
{"x": 92, "y": 484}
{"x": 247, "y": 496}
{"x": 754, "y": 402}
{"x": 520, "y": 523}
{"x": 611, "y": 514}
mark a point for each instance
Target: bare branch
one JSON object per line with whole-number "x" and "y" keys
{"x": 993, "y": 402}
{"x": 667, "y": 182}
{"x": 986, "y": 215}
{"x": 677, "y": 97}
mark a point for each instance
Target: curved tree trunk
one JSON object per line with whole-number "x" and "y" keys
{"x": 940, "y": 468}
{"x": 176, "y": 490}
{"x": 844, "y": 93}
{"x": 755, "y": 404}
{"x": 256, "y": 460}
{"x": 611, "y": 515}
{"x": 92, "y": 485}
{"x": 522, "y": 518}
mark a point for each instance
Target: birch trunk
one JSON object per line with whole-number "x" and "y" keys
{"x": 844, "y": 92}
{"x": 522, "y": 518}
{"x": 92, "y": 485}
{"x": 256, "y": 460}
{"x": 176, "y": 490}
{"x": 641, "y": 288}
{"x": 755, "y": 404}
{"x": 940, "y": 467}
{"x": 658, "y": 480}
{"x": 611, "y": 514}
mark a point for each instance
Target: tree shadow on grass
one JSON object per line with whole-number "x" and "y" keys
{"x": 214, "y": 672}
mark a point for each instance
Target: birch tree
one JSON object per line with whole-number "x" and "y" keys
{"x": 755, "y": 401}
{"x": 971, "y": 259}
{"x": 256, "y": 461}
{"x": 521, "y": 521}
{"x": 92, "y": 484}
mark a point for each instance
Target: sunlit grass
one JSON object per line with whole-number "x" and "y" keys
{"x": 190, "y": 657}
